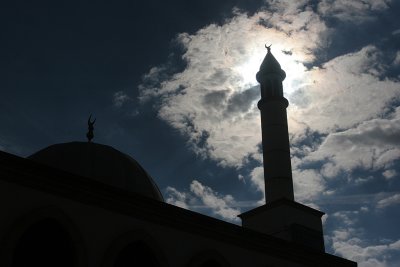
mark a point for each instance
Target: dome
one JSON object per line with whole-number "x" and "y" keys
{"x": 101, "y": 163}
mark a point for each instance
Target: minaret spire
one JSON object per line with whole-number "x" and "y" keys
{"x": 275, "y": 137}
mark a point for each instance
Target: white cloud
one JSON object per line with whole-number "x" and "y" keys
{"x": 176, "y": 197}
{"x": 346, "y": 244}
{"x": 388, "y": 201}
{"x": 202, "y": 198}
{"x": 389, "y": 174}
{"x": 364, "y": 209}
{"x": 241, "y": 178}
{"x": 344, "y": 92}
{"x": 371, "y": 145}
{"x": 345, "y": 217}
{"x": 220, "y": 205}
{"x": 341, "y": 234}
{"x": 211, "y": 104}
{"x": 213, "y": 101}
{"x": 355, "y": 11}
{"x": 308, "y": 184}
{"x": 396, "y": 60}
{"x": 257, "y": 179}
{"x": 300, "y": 22}
{"x": 348, "y": 240}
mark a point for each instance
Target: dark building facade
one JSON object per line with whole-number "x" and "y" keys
{"x": 84, "y": 204}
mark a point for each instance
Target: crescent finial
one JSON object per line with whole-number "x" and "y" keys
{"x": 268, "y": 47}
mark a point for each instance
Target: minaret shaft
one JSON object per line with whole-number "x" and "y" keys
{"x": 276, "y": 149}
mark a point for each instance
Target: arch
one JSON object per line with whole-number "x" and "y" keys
{"x": 45, "y": 243}
{"x": 51, "y": 225}
{"x": 134, "y": 247}
{"x": 208, "y": 258}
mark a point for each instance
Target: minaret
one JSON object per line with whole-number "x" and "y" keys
{"x": 280, "y": 216}
{"x": 275, "y": 137}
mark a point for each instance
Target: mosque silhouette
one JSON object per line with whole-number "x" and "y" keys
{"x": 83, "y": 204}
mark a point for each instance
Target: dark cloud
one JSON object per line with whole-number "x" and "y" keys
{"x": 299, "y": 98}
{"x": 378, "y": 132}
{"x": 242, "y": 101}
{"x": 203, "y": 138}
{"x": 215, "y": 99}
{"x": 287, "y": 52}
{"x": 219, "y": 77}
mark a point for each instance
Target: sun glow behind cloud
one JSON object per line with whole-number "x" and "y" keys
{"x": 216, "y": 94}
{"x": 293, "y": 66}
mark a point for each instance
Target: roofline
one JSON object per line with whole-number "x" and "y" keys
{"x": 279, "y": 202}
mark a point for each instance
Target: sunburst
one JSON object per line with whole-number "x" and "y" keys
{"x": 291, "y": 63}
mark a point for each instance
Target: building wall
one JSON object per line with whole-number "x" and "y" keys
{"x": 100, "y": 232}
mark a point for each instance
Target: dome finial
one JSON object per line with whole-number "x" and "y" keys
{"x": 268, "y": 48}
{"x": 90, "y": 134}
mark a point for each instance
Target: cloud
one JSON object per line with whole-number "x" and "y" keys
{"x": 354, "y": 11}
{"x": 346, "y": 217}
{"x": 396, "y": 60}
{"x": 220, "y": 205}
{"x": 349, "y": 240}
{"x": 257, "y": 179}
{"x": 346, "y": 244}
{"x": 120, "y": 98}
{"x": 216, "y": 93}
{"x": 342, "y": 93}
{"x": 176, "y": 198}
{"x": 308, "y": 184}
{"x": 342, "y": 114}
{"x": 371, "y": 145}
{"x": 241, "y": 102}
{"x": 388, "y": 201}
{"x": 213, "y": 101}
{"x": 202, "y": 198}
{"x": 298, "y": 20}
{"x": 389, "y": 174}
{"x": 345, "y": 101}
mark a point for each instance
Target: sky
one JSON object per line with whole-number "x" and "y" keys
{"x": 172, "y": 84}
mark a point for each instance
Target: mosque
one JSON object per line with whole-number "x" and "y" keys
{"x": 83, "y": 204}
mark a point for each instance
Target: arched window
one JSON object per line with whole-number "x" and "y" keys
{"x": 134, "y": 248}
{"x": 45, "y": 243}
{"x": 136, "y": 254}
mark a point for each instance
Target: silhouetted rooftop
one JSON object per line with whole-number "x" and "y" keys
{"x": 102, "y": 163}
